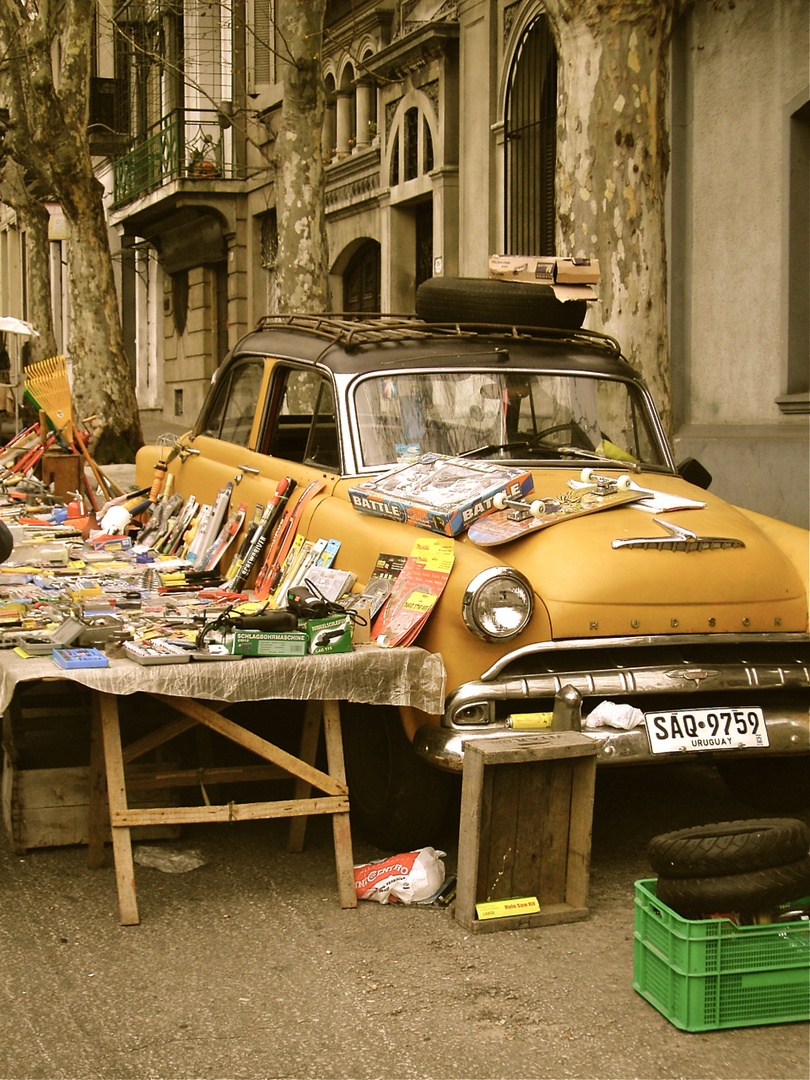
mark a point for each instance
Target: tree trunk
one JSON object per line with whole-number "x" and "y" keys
{"x": 48, "y": 104}
{"x": 102, "y": 385}
{"x": 302, "y": 260}
{"x": 34, "y": 218}
{"x": 613, "y": 160}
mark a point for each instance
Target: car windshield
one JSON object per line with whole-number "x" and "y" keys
{"x": 530, "y": 416}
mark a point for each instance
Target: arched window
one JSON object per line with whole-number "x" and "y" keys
{"x": 531, "y": 143}
{"x": 412, "y": 147}
{"x": 361, "y": 279}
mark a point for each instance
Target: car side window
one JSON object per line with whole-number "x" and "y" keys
{"x": 230, "y": 416}
{"x": 305, "y": 427}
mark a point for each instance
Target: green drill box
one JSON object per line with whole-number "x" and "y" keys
{"x": 330, "y": 635}
{"x": 263, "y": 643}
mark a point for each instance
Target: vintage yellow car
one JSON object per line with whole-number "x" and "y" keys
{"x": 696, "y": 617}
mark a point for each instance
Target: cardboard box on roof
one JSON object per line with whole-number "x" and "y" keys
{"x": 571, "y": 279}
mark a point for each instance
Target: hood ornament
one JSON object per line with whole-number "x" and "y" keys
{"x": 679, "y": 539}
{"x": 695, "y": 675}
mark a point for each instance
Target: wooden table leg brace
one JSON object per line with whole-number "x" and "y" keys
{"x": 106, "y": 749}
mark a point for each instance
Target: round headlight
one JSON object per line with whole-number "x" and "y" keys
{"x": 497, "y": 604}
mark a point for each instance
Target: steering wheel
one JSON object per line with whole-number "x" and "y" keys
{"x": 578, "y": 436}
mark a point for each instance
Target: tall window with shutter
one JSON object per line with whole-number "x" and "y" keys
{"x": 531, "y": 143}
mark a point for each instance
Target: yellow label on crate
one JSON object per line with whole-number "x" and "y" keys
{"x": 500, "y": 909}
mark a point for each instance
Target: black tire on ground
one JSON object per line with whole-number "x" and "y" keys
{"x": 729, "y": 847}
{"x": 398, "y": 802}
{"x": 777, "y": 785}
{"x": 758, "y": 891}
{"x": 6, "y": 541}
{"x": 481, "y": 300}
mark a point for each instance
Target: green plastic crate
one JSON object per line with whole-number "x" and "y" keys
{"x": 705, "y": 974}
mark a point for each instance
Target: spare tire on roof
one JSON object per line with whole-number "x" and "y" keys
{"x": 485, "y": 300}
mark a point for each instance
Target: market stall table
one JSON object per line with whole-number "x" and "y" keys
{"x": 196, "y": 690}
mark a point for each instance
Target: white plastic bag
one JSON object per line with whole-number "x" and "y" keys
{"x": 169, "y": 860}
{"x": 410, "y": 878}
{"x": 609, "y": 714}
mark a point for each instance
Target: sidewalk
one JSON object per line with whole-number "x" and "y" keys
{"x": 247, "y": 968}
{"x": 153, "y": 426}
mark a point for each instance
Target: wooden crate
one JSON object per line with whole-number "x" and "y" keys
{"x": 50, "y": 808}
{"x": 45, "y": 789}
{"x": 65, "y": 471}
{"x": 526, "y": 822}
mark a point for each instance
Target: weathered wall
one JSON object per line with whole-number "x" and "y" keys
{"x": 737, "y": 75}
{"x": 479, "y": 216}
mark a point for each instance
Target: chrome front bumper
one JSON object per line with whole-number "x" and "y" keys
{"x": 770, "y": 670}
{"x": 444, "y": 747}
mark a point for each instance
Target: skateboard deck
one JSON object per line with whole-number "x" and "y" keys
{"x": 517, "y": 517}
{"x": 654, "y": 502}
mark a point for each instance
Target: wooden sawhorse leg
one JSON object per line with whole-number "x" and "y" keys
{"x": 107, "y": 760}
{"x": 329, "y": 712}
{"x": 106, "y": 745}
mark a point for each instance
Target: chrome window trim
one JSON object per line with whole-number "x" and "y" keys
{"x": 353, "y": 382}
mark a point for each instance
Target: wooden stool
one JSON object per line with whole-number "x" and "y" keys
{"x": 65, "y": 471}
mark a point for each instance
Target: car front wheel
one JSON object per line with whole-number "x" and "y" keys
{"x": 398, "y": 802}
{"x": 774, "y": 784}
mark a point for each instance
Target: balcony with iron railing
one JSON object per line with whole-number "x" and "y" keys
{"x": 187, "y": 144}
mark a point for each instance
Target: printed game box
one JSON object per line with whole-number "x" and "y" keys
{"x": 440, "y": 493}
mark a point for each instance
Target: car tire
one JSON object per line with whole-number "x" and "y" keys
{"x": 756, "y": 891}
{"x": 6, "y": 542}
{"x": 778, "y": 785}
{"x": 480, "y": 300}
{"x": 729, "y": 847}
{"x": 398, "y": 802}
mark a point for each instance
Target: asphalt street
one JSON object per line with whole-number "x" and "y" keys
{"x": 246, "y": 967}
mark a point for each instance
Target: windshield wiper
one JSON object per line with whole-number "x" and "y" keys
{"x": 489, "y": 448}
{"x": 591, "y": 455}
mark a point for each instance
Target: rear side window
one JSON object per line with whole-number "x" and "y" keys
{"x": 231, "y": 412}
{"x": 304, "y": 427}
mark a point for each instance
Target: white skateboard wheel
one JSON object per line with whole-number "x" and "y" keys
{"x": 587, "y": 476}
{"x": 537, "y": 508}
{"x": 499, "y": 500}
{"x": 623, "y": 482}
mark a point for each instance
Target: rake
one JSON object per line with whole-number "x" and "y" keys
{"x": 47, "y": 386}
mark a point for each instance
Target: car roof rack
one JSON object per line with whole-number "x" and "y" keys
{"x": 352, "y": 330}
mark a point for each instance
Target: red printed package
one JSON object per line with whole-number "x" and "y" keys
{"x": 411, "y": 878}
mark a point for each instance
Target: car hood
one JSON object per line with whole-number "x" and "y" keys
{"x": 590, "y": 588}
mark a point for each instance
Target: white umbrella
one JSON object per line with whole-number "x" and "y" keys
{"x": 10, "y": 325}
{"x": 16, "y": 326}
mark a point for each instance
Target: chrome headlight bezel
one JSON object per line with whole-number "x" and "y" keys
{"x": 477, "y": 618}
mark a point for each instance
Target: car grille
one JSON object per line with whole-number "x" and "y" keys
{"x": 732, "y": 669}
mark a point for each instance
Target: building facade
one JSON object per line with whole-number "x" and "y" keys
{"x": 439, "y": 150}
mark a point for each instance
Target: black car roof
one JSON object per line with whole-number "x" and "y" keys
{"x": 361, "y": 345}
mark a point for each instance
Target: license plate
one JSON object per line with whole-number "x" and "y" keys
{"x": 705, "y": 729}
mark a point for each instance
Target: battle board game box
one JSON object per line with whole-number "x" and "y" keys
{"x": 440, "y": 493}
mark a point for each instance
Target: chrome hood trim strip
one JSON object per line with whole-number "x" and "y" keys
{"x": 679, "y": 539}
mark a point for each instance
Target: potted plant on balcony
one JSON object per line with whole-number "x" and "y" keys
{"x": 199, "y": 162}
